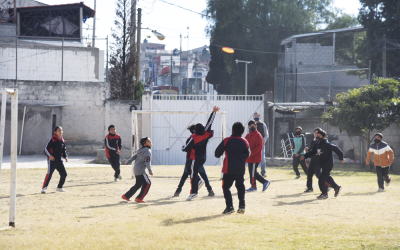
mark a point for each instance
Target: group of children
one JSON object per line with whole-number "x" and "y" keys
{"x": 237, "y": 150}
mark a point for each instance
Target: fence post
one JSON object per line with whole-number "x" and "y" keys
{"x": 16, "y": 61}
{"x": 107, "y": 59}
{"x": 14, "y": 149}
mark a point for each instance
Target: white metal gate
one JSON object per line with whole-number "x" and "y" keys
{"x": 169, "y": 131}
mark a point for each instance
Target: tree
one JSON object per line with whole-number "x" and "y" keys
{"x": 139, "y": 89}
{"x": 123, "y": 66}
{"x": 366, "y": 110}
{"x": 380, "y": 18}
{"x": 266, "y": 23}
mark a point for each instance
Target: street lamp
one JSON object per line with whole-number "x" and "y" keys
{"x": 246, "y": 62}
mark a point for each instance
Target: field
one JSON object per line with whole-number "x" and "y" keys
{"x": 92, "y": 215}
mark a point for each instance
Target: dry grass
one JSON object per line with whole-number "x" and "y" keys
{"x": 92, "y": 215}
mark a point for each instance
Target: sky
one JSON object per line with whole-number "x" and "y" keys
{"x": 169, "y": 20}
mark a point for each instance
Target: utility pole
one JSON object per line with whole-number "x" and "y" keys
{"x": 107, "y": 59}
{"x": 197, "y": 87}
{"x": 138, "y": 44}
{"x": 187, "y": 82}
{"x": 132, "y": 43}
{"x": 170, "y": 85}
{"x": 384, "y": 57}
{"x": 180, "y": 65}
{"x": 94, "y": 25}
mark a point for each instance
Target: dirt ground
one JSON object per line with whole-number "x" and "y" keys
{"x": 92, "y": 215}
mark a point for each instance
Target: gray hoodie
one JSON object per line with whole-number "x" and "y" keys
{"x": 142, "y": 160}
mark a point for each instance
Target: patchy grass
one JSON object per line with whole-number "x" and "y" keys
{"x": 92, "y": 215}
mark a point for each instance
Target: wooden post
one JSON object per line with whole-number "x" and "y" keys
{"x": 14, "y": 151}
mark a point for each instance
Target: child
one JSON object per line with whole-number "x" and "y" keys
{"x": 262, "y": 129}
{"x": 256, "y": 142}
{"x": 197, "y": 146}
{"x": 113, "y": 146}
{"x": 299, "y": 145}
{"x": 236, "y": 150}
{"x": 55, "y": 149}
{"x": 202, "y": 171}
{"x": 325, "y": 150}
{"x": 142, "y": 161}
{"x": 383, "y": 158}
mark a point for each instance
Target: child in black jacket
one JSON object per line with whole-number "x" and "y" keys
{"x": 236, "y": 150}
{"x": 324, "y": 150}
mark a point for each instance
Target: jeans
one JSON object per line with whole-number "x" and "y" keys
{"x": 263, "y": 165}
{"x": 383, "y": 174}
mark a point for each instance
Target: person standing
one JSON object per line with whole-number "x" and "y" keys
{"x": 113, "y": 146}
{"x": 236, "y": 150}
{"x": 299, "y": 150}
{"x": 383, "y": 158}
{"x": 325, "y": 151}
{"x": 55, "y": 149}
{"x": 263, "y": 130}
{"x": 255, "y": 141}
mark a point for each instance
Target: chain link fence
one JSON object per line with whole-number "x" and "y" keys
{"x": 59, "y": 59}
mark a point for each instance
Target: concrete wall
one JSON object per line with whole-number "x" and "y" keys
{"x": 48, "y": 62}
{"x": 7, "y": 29}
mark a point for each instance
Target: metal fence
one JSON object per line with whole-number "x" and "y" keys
{"x": 45, "y": 59}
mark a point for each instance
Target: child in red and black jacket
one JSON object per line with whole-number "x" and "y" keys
{"x": 55, "y": 149}
{"x": 197, "y": 146}
{"x": 113, "y": 146}
{"x": 236, "y": 150}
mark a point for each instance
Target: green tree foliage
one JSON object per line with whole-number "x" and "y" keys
{"x": 139, "y": 89}
{"x": 366, "y": 110}
{"x": 277, "y": 19}
{"x": 380, "y": 18}
{"x": 122, "y": 64}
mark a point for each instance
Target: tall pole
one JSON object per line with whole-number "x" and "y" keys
{"x": 138, "y": 43}
{"x": 132, "y": 42}
{"x": 2, "y": 124}
{"x": 187, "y": 82}
{"x": 197, "y": 87}
{"x": 369, "y": 72}
{"x": 94, "y": 25}
{"x": 170, "y": 86}
{"x": 14, "y": 149}
{"x": 180, "y": 64}
{"x": 384, "y": 57}
{"x": 107, "y": 59}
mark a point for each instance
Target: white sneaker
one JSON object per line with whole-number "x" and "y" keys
{"x": 201, "y": 183}
{"x": 381, "y": 190}
{"x": 329, "y": 189}
{"x": 115, "y": 179}
{"x": 44, "y": 190}
{"x": 388, "y": 183}
{"x": 191, "y": 196}
{"x": 61, "y": 190}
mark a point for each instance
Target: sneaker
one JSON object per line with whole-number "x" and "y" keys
{"x": 381, "y": 190}
{"x": 241, "y": 210}
{"x": 297, "y": 177}
{"x": 119, "y": 177}
{"x": 329, "y": 189}
{"x": 308, "y": 190}
{"x": 388, "y": 183}
{"x": 228, "y": 210}
{"x": 201, "y": 183}
{"x": 251, "y": 190}
{"x": 139, "y": 200}
{"x": 211, "y": 193}
{"x": 115, "y": 179}
{"x": 264, "y": 175}
{"x": 124, "y": 197}
{"x": 323, "y": 196}
{"x": 177, "y": 193}
{"x": 266, "y": 185}
{"x": 191, "y": 196}
{"x": 44, "y": 190}
{"x": 60, "y": 189}
{"x": 337, "y": 191}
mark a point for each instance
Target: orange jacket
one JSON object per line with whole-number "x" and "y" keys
{"x": 383, "y": 154}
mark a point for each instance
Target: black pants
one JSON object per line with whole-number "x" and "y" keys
{"x": 383, "y": 174}
{"x": 326, "y": 177}
{"x": 142, "y": 181}
{"x": 227, "y": 182}
{"x": 194, "y": 172}
{"x": 115, "y": 164}
{"x": 296, "y": 161}
{"x": 314, "y": 168}
{"x": 254, "y": 175}
{"x": 51, "y": 166}
{"x": 202, "y": 173}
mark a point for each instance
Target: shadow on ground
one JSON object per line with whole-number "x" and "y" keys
{"x": 171, "y": 222}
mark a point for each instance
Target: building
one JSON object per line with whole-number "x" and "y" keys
{"x": 311, "y": 67}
